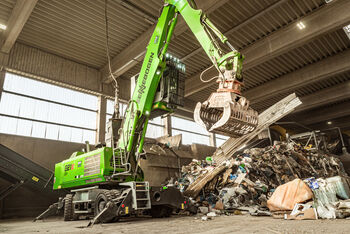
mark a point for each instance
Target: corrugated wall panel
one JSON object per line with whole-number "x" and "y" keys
{"x": 42, "y": 65}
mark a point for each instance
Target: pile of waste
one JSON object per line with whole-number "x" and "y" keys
{"x": 251, "y": 178}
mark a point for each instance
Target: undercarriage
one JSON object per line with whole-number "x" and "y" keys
{"x": 103, "y": 205}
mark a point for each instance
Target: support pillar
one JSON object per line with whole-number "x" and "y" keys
{"x": 132, "y": 85}
{"x": 167, "y": 126}
{"x": 212, "y": 139}
{"x": 101, "y": 119}
{"x": 2, "y": 80}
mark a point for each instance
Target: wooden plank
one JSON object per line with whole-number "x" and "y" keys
{"x": 223, "y": 154}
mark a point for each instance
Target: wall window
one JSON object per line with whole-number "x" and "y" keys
{"x": 155, "y": 126}
{"x": 191, "y": 132}
{"x": 220, "y": 139}
{"x": 38, "y": 109}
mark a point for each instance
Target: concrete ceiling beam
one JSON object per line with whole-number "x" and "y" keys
{"x": 239, "y": 26}
{"x": 330, "y": 66}
{"x": 325, "y": 96}
{"x": 134, "y": 53}
{"x": 342, "y": 123}
{"x": 322, "y": 114}
{"x": 328, "y": 18}
{"x": 16, "y": 22}
{"x": 305, "y": 76}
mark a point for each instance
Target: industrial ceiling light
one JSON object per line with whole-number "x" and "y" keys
{"x": 329, "y": 122}
{"x": 328, "y": 1}
{"x": 347, "y": 30}
{"x": 3, "y": 26}
{"x": 301, "y": 25}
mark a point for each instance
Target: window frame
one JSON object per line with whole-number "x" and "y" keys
{"x": 189, "y": 131}
{"x": 45, "y": 100}
{"x": 108, "y": 116}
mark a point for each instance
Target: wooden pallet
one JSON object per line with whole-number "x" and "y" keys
{"x": 223, "y": 155}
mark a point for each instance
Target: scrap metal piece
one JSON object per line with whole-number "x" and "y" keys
{"x": 226, "y": 150}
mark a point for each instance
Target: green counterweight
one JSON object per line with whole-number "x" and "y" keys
{"x": 83, "y": 169}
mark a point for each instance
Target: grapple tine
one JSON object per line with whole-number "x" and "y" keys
{"x": 197, "y": 115}
{"x": 224, "y": 119}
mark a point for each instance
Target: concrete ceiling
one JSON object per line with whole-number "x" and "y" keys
{"x": 280, "y": 58}
{"x": 6, "y": 7}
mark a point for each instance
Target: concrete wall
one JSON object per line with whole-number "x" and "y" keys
{"x": 24, "y": 202}
{"x": 42, "y": 151}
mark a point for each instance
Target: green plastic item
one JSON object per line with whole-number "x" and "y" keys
{"x": 209, "y": 159}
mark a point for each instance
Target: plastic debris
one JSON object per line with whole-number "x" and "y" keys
{"x": 300, "y": 207}
{"x": 249, "y": 180}
{"x": 307, "y": 214}
{"x": 203, "y": 210}
{"x": 211, "y": 214}
{"x": 326, "y": 212}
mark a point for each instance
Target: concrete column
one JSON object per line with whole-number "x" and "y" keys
{"x": 212, "y": 139}
{"x": 101, "y": 119}
{"x": 2, "y": 79}
{"x": 132, "y": 85}
{"x": 167, "y": 126}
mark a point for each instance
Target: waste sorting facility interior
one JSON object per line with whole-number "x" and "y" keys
{"x": 56, "y": 91}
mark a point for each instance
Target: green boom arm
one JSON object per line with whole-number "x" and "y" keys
{"x": 140, "y": 106}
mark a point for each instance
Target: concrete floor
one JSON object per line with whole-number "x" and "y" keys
{"x": 180, "y": 224}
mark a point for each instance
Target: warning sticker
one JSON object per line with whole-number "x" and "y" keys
{"x": 36, "y": 179}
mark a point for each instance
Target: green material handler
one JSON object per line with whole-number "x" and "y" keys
{"x": 108, "y": 183}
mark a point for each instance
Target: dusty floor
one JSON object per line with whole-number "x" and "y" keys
{"x": 180, "y": 224}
